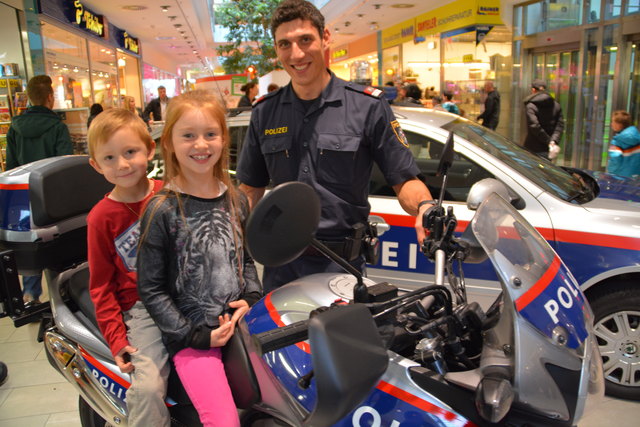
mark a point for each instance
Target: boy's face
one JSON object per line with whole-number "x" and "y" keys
{"x": 123, "y": 158}
{"x": 617, "y": 127}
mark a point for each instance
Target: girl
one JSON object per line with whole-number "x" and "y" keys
{"x": 250, "y": 92}
{"x": 194, "y": 274}
{"x": 130, "y": 104}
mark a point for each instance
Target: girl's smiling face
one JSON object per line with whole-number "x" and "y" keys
{"x": 197, "y": 144}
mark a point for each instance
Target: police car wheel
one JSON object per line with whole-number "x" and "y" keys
{"x": 617, "y": 329}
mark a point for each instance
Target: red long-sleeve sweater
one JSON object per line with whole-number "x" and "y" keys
{"x": 113, "y": 231}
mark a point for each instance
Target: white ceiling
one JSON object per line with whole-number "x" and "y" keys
{"x": 347, "y": 20}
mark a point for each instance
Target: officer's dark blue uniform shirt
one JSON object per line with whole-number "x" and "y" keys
{"x": 330, "y": 145}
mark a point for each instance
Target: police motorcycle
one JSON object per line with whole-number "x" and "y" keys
{"x": 337, "y": 349}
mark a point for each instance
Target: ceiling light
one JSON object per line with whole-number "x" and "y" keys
{"x": 377, "y": 6}
{"x": 177, "y": 25}
{"x": 402, "y": 6}
{"x": 134, "y": 7}
{"x": 165, "y": 8}
{"x": 346, "y": 24}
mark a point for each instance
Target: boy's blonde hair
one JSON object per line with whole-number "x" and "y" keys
{"x": 621, "y": 117}
{"x": 112, "y": 120}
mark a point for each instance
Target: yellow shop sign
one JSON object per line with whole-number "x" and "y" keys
{"x": 459, "y": 14}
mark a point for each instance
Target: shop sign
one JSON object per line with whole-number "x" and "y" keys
{"x": 12, "y": 83}
{"x": 126, "y": 42}
{"x": 87, "y": 20}
{"x": 398, "y": 34}
{"x": 459, "y": 14}
{"x": 339, "y": 54}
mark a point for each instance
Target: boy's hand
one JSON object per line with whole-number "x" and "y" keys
{"x": 123, "y": 359}
{"x": 221, "y": 335}
{"x": 241, "y": 307}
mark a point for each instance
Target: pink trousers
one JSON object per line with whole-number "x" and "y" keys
{"x": 202, "y": 374}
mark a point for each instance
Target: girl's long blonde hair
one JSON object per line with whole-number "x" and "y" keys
{"x": 206, "y": 102}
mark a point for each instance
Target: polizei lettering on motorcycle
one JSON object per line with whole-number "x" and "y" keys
{"x": 111, "y": 386}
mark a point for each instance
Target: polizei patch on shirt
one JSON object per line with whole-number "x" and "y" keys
{"x": 399, "y": 133}
{"x": 126, "y": 245}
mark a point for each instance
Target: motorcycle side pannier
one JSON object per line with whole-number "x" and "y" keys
{"x": 43, "y": 212}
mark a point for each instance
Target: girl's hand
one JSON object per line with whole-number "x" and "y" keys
{"x": 221, "y": 335}
{"x": 241, "y": 308}
{"x": 123, "y": 359}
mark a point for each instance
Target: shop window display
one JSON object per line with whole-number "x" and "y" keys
{"x": 104, "y": 75}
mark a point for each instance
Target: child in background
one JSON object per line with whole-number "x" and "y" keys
{"x": 193, "y": 267}
{"x": 624, "y": 151}
{"x": 120, "y": 148}
{"x": 449, "y": 105}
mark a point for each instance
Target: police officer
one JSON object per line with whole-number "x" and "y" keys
{"x": 325, "y": 132}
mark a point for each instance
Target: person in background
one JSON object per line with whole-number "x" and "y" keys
{"x": 37, "y": 134}
{"x": 449, "y": 105}
{"x": 4, "y": 372}
{"x": 195, "y": 274}
{"x": 157, "y": 108}
{"x": 94, "y": 110}
{"x": 250, "y": 92}
{"x": 624, "y": 151}
{"x": 436, "y": 102}
{"x": 332, "y": 132}
{"x": 130, "y": 105}
{"x": 120, "y": 148}
{"x": 412, "y": 96}
{"x": 272, "y": 87}
{"x": 545, "y": 123}
{"x": 491, "y": 114}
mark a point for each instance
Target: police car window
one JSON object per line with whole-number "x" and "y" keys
{"x": 236, "y": 136}
{"x": 426, "y": 151}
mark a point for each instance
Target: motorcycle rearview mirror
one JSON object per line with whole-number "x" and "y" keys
{"x": 347, "y": 361}
{"x": 282, "y": 225}
{"x": 446, "y": 160}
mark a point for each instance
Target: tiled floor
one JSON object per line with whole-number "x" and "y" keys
{"x": 35, "y": 395}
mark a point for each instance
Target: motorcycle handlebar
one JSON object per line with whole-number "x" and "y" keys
{"x": 278, "y": 338}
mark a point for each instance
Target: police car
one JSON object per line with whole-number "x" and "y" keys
{"x": 592, "y": 220}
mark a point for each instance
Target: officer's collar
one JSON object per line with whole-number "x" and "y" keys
{"x": 330, "y": 93}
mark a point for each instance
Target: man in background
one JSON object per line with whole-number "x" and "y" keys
{"x": 491, "y": 114}
{"x": 157, "y": 108}
{"x": 544, "y": 121}
{"x": 37, "y": 134}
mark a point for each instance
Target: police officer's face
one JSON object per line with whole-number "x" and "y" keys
{"x": 300, "y": 49}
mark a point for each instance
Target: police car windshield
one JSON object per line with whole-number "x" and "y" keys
{"x": 544, "y": 174}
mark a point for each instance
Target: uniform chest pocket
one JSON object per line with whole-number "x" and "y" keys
{"x": 276, "y": 155}
{"x": 337, "y": 158}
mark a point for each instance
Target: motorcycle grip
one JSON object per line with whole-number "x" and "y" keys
{"x": 281, "y": 337}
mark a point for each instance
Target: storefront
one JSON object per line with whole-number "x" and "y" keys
{"x": 357, "y": 61}
{"x": 153, "y": 77}
{"x": 89, "y": 60}
{"x": 13, "y": 70}
{"x": 589, "y": 54}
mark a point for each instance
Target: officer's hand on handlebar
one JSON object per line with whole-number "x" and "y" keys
{"x": 419, "y": 225}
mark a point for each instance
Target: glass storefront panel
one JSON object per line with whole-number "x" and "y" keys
{"x": 153, "y": 77}
{"x": 588, "y": 81}
{"x": 605, "y": 94}
{"x": 633, "y": 95}
{"x": 593, "y": 11}
{"x": 538, "y": 66}
{"x": 612, "y": 9}
{"x": 562, "y": 13}
{"x": 392, "y": 67}
{"x": 633, "y": 6}
{"x": 103, "y": 75}
{"x": 533, "y": 19}
{"x": 129, "y": 78}
{"x": 517, "y": 20}
{"x": 66, "y": 61}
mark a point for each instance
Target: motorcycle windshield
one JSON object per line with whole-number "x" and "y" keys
{"x": 541, "y": 288}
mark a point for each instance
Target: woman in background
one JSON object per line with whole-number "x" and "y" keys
{"x": 250, "y": 91}
{"x": 130, "y": 104}
{"x": 94, "y": 110}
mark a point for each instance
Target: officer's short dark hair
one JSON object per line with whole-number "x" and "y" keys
{"x": 539, "y": 84}
{"x": 290, "y": 10}
{"x": 38, "y": 89}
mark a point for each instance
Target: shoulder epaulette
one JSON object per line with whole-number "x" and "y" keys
{"x": 265, "y": 96}
{"x": 368, "y": 90}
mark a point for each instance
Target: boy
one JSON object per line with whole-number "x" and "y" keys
{"x": 119, "y": 148}
{"x": 624, "y": 151}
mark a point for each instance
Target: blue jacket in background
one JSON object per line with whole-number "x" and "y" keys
{"x": 624, "y": 153}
